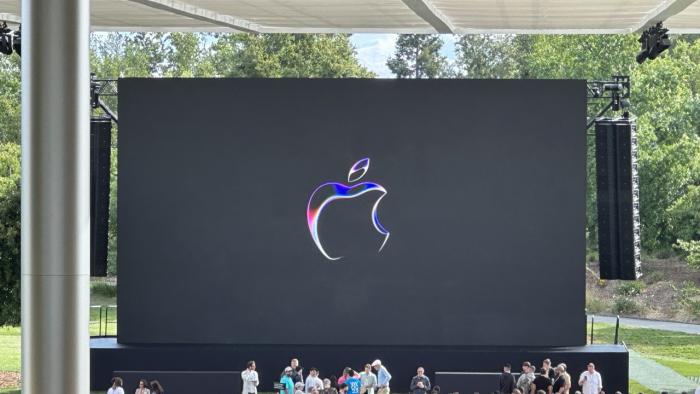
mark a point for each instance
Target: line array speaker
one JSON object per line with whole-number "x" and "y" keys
{"x": 617, "y": 199}
{"x": 100, "y": 153}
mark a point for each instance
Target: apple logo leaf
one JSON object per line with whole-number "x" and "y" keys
{"x": 358, "y": 170}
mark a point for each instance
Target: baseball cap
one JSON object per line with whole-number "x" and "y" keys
{"x": 377, "y": 362}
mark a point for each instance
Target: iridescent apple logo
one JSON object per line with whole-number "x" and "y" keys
{"x": 331, "y": 191}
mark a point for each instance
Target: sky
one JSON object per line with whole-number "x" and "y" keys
{"x": 373, "y": 50}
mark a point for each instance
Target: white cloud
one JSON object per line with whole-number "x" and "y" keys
{"x": 373, "y": 50}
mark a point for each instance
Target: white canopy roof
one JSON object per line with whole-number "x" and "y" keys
{"x": 388, "y": 16}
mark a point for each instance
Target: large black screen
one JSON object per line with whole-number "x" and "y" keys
{"x": 474, "y": 190}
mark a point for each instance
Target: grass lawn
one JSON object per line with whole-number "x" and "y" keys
{"x": 10, "y": 345}
{"x": 678, "y": 351}
{"x": 636, "y": 388}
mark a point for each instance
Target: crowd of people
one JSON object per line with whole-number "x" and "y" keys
{"x": 144, "y": 387}
{"x": 548, "y": 380}
{"x": 350, "y": 381}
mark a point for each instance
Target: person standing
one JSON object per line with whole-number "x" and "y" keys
{"x": 590, "y": 380}
{"x": 506, "y": 382}
{"x": 328, "y": 387}
{"x": 547, "y": 364}
{"x": 420, "y": 384}
{"x": 525, "y": 380}
{"x": 562, "y": 381}
{"x": 368, "y": 380}
{"x": 543, "y": 382}
{"x": 383, "y": 377}
{"x": 287, "y": 381}
{"x": 313, "y": 381}
{"x": 116, "y": 388}
{"x": 156, "y": 387}
{"x": 353, "y": 382}
{"x": 344, "y": 376}
{"x": 143, "y": 387}
{"x": 297, "y": 371}
{"x": 250, "y": 379}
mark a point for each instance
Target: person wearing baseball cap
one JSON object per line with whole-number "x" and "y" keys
{"x": 383, "y": 377}
{"x": 287, "y": 381}
{"x": 298, "y": 388}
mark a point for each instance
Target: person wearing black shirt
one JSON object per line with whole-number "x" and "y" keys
{"x": 543, "y": 382}
{"x": 547, "y": 364}
{"x": 506, "y": 382}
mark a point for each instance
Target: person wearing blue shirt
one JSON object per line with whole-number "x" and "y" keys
{"x": 287, "y": 381}
{"x": 383, "y": 377}
{"x": 353, "y": 383}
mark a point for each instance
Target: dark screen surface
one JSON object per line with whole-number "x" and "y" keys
{"x": 479, "y": 183}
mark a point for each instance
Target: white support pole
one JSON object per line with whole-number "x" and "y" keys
{"x": 55, "y": 197}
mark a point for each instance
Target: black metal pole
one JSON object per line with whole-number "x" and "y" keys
{"x": 601, "y": 112}
{"x": 592, "y": 326}
{"x": 617, "y": 328}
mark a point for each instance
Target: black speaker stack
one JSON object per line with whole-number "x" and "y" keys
{"x": 618, "y": 199}
{"x": 100, "y": 153}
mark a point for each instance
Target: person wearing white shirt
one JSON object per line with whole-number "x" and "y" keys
{"x": 116, "y": 388}
{"x": 591, "y": 381}
{"x": 250, "y": 379}
{"x": 368, "y": 380}
{"x": 313, "y": 381}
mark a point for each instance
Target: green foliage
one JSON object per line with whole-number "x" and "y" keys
{"x": 624, "y": 305}
{"x": 418, "y": 56}
{"x": 691, "y": 249}
{"x": 630, "y": 289}
{"x": 103, "y": 289}
{"x": 487, "y": 56}
{"x": 9, "y": 233}
{"x": 690, "y": 298}
{"x": 666, "y": 100}
{"x": 684, "y": 214}
{"x": 595, "y": 305}
{"x": 286, "y": 55}
{"x": 653, "y": 277}
{"x": 9, "y": 99}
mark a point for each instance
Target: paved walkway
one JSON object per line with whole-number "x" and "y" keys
{"x": 655, "y": 324}
{"x": 658, "y": 377}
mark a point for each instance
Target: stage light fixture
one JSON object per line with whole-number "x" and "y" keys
{"x": 654, "y": 41}
{"x": 17, "y": 42}
{"x": 5, "y": 39}
{"x": 9, "y": 40}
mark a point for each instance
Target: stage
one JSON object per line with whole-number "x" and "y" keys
{"x": 107, "y": 356}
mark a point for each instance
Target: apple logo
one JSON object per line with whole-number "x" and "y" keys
{"x": 331, "y": 191}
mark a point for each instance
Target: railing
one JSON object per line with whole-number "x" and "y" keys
{"x": 617, "y": 329}
{"x": 103, "y": 320}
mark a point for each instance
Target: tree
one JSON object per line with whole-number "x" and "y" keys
{"x": 9, "y": 234}
{"x": 666, "y": 99}
{"x": 286, "y": 55}
{"x": 486, "y": 56}
{"x": 9, "y": 99}
{"x": 187, "y": 55}
{"x": 418, "y": 56}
